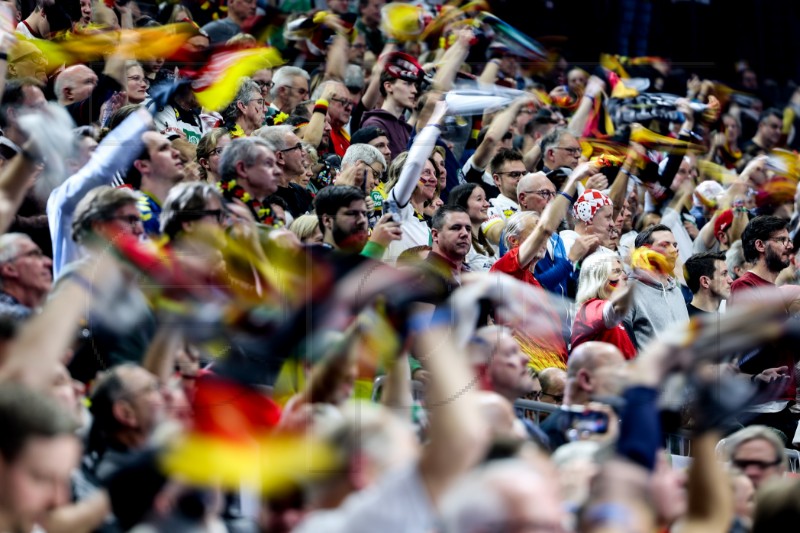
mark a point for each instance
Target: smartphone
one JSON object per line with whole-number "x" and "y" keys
{"x": 391, "y": 207}
{"x": 579, "y": 420}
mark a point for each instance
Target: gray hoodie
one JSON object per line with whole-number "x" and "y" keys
{"x": 656, "y": 306}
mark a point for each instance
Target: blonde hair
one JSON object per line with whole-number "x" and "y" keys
{"x": 304, "y": 226}
{"x": 593, "y": 279}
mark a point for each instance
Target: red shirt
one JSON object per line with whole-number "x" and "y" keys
{"x": 590, "y": 326}
{"x": 772, "y": 354}
{"x": 544, "y": 343}
{"x": 509, "y": 264}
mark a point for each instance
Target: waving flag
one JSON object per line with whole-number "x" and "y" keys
{"x": 517, "y": 42}
{"x": 217, "y": 83}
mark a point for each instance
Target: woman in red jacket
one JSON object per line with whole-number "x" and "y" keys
{"x": 603, "y": 298}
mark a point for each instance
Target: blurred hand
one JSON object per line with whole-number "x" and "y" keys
{"x": 386, "y": 231}
{"x": 597, "y": 181}
{"x": 583, "y": 246}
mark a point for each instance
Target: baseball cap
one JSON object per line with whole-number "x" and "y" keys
{"x": 723, "y": 221}
{"x": 402, "y": 66}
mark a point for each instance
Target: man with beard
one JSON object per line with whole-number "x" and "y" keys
{"x": 342, "y": 213}
{"x": 451, "y": 230}
{"x": 768, "y": 247}
{"x": 659, "y": 302}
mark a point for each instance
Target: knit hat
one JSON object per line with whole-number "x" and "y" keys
{"x": 588, "y": 203}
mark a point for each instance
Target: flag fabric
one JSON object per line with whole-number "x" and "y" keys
{"x": 217, "y": 83}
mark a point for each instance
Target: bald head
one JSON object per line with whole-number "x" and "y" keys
{"x": 75, "y": 84}
{"x": 594, "y": 369}
{"x": 554, "y": 382}
{"x": 535, "y": 191}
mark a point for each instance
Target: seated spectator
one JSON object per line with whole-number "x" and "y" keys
{"x": 249, "y": 173}
{"x": 291, "y": 161}
{"x": 289, "y": 89}
{"x": 209, "y": 153}
{"x": 245, "y": 113}
{"x": 553, "y": 382}
{"x": 307, "y": 229}
{"x": 594, "y": 215}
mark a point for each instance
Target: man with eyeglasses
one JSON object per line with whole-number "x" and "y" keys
{"x": 758, "y": 452}
{"x": 553, "y": 381}
{"x": 507, "y": 169}
{"x": 560, "y": 149}
{"x": 290, "y": 157}
{"x": 340, "y": 106}
{"x": 768, "y": 247}
{"x": 289, "y": 88}
{"x": 25, "y": 276}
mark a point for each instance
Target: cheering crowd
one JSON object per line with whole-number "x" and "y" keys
{"x": 344, "y": 266}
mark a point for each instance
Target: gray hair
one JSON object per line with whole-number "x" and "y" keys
{"x": 243, "y": 149}
{"x": 354, "y": 77}
{"x": 476, "y": 502}
{"x": 553, "y": 138}
{"x": 182, "y": 204}
{"x": 595, "y": 270}
{"x": 275, "y": 136}
{"x": 283, "y": 77}
{"x": 731, "y": 443}
{"x": 99, "y": 204}
{"x": 515, "y": 224}
{"x": 525, "y": 181}
{"x": 9, "y": 245}
{"x": 363, "y": 152}
{"x": 734, "y": 257}
{"x": 246, "y": 88}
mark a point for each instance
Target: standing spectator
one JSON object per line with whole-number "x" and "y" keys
{"x": 707, "y": 277}
{"x": 451, "y": 230}
{"x": 594, "y": 216}
{"x": 604, "y": 298}
{"x": 507, "y": 169}
{"x": 154, "y": 172}
{"x": 398, "y": 86}
{"x": 768, "y": 136}
{"x": 560, "y": 149}
{"x": 369, "y": 22}
{"x": 659, "y": 302}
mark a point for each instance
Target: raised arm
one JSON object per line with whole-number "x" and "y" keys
{"x": 15, "y": 178}
{"x": 594, "y": 90}
{"x": 372, "y": 94}
{"x": 494, "y": 135}
{"x": 552, "y": 215}
{"x": 452, "y": 61}
{"x": 420, "y": 151}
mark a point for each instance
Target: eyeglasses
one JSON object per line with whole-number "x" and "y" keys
{"x": 557, "y": 397}
{"x": 544, "y": 193}
{"x": 132, "y": 220}
{"x": 219, "y": 214}
{"x": 139, "y": 79}
{"x": 259, "y": 101}
{"x": 301, "y": 90}
{"x": 572, "y": 151}
{"x": 515, "y": 174}
{"x": 742, "y": 464}
{"x": 343, "y": 101}
{"x": 264, "y": 84}
{"x": 297, "y": 146}
{"x": 375, "y": 173}
{"x": 36, "y": 253}
{"x": 781, "y": 240}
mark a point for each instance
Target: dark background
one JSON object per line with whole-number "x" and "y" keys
{"x": 707, "y": 37}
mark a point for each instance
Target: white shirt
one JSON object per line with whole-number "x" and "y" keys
{"x": 415, "y": 233}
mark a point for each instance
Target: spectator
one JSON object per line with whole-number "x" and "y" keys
{"x": 209, "y": 153}
{"x": 472, "y": 198}
{"x": 289, "y": 88}
{"x": 594, "y": 216}
{"x": 398, "y": 86}
{"x": 368, "y": 24}
{"x": 554, "y": 382}
{"x": 604, "y": 298}
{"x": 560, "y": 149}
{"x": 340, "y": 106}
{"x": 758, "y": 452}
{"x": 734, "y": 259}
{"x": 180, "y": 116}
{"x": 245, "y": 113}
{"x": 291, "y": 160}
{"x": 707, "y": 277}
{"x": 507, "y": 170}
{"x": 659, "y": 302}
{"x": 450, "y": 230}
{"x": 500, "y": 362}
{"x": 154, "y": 172}
{"x": 768, "y": 136}
{"x": 248, "y": 174}
{"x": 307, "y": 229}
{"x": 25, "y": 276}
